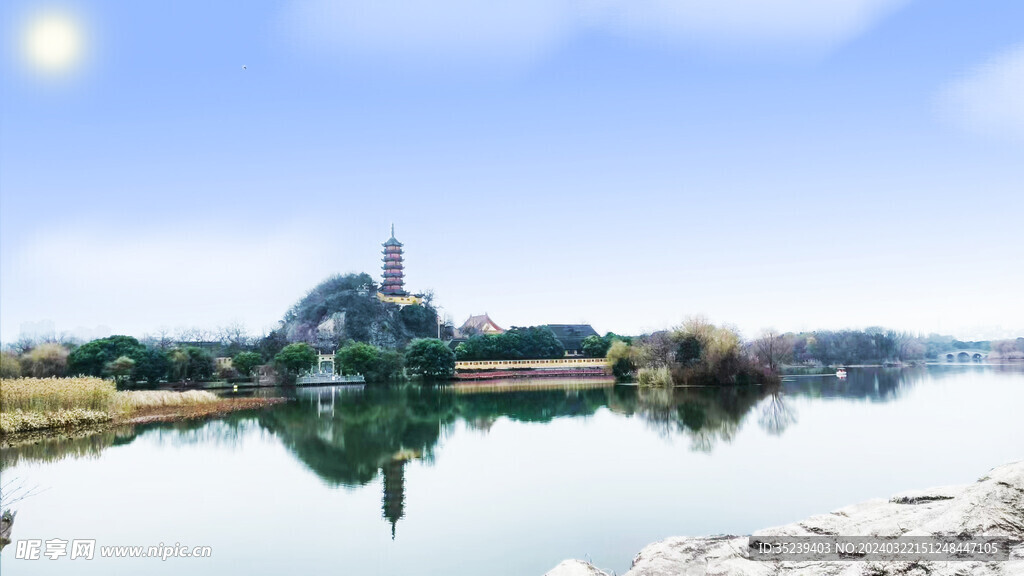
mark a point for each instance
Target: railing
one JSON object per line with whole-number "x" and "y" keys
{"x": 329, "y": 379}
{"x": 532, "y": 364}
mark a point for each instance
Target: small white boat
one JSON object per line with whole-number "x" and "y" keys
{"x": 841, "y": 373}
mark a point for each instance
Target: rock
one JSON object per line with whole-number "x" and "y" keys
{"x": 575, "y": 568}
{"x": 993, "y": 506}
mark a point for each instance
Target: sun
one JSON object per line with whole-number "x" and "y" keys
{"x": 53, "y": 43}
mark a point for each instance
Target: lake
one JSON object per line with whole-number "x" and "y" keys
{"x": 503, "y": 479}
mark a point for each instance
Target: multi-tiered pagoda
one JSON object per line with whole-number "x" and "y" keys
{"x": 392, "y": 289}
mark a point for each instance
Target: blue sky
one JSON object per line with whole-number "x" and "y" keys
{"x": 772, "y": 163}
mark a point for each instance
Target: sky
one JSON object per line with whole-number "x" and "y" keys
{"x": 787, "y": 164}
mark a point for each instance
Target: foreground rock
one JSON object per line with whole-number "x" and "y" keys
{"x": 993, "y": 506}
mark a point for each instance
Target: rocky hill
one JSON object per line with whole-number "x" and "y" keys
{"x": 345, "y": 308}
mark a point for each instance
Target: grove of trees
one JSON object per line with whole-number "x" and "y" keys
{"x": 534, "y": 342}
{"x": 375, "y": 364}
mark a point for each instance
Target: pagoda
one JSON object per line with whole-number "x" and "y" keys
{"x": 392, "y": 289}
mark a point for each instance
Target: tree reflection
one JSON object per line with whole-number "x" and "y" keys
{"x": 876, "y": 384}
{"x": 704, "y": 415}
{"x": 350, "y": 436}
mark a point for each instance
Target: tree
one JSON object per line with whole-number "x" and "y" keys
{"x": 179, "y": 363}
{"x": 233, "y": 336}
{"x": 244, "y": 362}
{"x": 773, "y": 349}
{"x": 9, "y": 365}
{"x": 120, "y": 368}
{"x": 152, "y": 365}
{"x": 595, "y": 346}
{"x": 535, "y": 342}
{"x": 200, "y": 363}
{"x": 688, "y": 351}
{"x": 191, "y": 363}
{"x": 272, "y": 343}
{"x": 45, "y": 360}
{"x": 357, "y": 358}
{"x": 420, "y": 320}
{"x": 91, "y": 359}
{"x": 621, "y": 355}
{"x": 295, "y": 359}
{"x": 390, "y": 365}
{"x": 430, "y": 358}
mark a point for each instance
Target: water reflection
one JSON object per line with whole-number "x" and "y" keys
{"x": 351, "y": 436}
{"x": 705, "y": 415}
{"x": 875, "y": 384}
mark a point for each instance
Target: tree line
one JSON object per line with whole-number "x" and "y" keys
{"x": 129, "y": 361}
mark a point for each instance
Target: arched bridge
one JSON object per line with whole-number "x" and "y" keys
{"x": 973, "y": 355}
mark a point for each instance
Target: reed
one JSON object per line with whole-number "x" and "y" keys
{"x": 55, "y": 394}
{"x": 24, "y": 421}
{"x": 41, "y": 403}
{"x": 127, "y": 402}
{"x": 655, "y": 377}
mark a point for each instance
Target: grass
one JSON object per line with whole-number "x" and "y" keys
{"x": 655, "y": 377}
{"x": 55, "y": 394}
{"x": 24, "y": 421}
{"x": 28, "y": 404}
{"x": 127, "y": 402}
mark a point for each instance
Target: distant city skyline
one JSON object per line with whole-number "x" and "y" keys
{"x": 771, "y": 164}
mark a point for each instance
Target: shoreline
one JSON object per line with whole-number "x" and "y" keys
{"x": 142, "y": 416}
{"x": 992, "y": 506}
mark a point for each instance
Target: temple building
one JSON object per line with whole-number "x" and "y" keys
{"x": 392, "y": 288}
{"x": 481, "y": 324}
{"x": 571, "y": 336}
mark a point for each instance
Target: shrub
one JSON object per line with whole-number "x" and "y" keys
{"x": 9, "y": 365}
{"x": 660, "y": 377}
{"x": 621, "y": 355}
{"x": 45, "y": 361}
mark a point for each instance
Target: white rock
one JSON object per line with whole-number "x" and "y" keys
{"x": 575, "y": 568}
{"x": 993, "y": 506}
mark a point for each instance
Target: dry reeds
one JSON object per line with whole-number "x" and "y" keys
{"x": 143, "y": 399}
{"x": 655, "y": 377}
{"x": 54, "y": 394}
{"x": 40, "y": 403}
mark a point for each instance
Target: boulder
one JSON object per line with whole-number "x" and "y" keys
{"x": 992, "y": 506}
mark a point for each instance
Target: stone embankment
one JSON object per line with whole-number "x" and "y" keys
{"x": 992, "y": 506}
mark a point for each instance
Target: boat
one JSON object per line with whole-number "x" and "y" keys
{"x": 841, "y": 373}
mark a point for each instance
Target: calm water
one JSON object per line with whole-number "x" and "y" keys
{"x": 500, "y": 481}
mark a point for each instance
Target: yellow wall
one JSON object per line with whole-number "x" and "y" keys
{"x": 403, "y": 300}
{"x": 520, "y": 364}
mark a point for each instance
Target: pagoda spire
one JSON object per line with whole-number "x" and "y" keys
{"x": 392, "y": 286}
{"x": 394, "y": 270}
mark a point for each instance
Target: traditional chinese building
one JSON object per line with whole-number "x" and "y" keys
{"x": 392, "y": 288}
{"x": 481, "y": 324}
{"x": 571, "y": 336}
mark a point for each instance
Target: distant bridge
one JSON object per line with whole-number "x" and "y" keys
{"x": 973, "y": 355}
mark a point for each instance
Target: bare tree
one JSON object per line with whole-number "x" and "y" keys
{"x": 773, "y": 349}
{"x": 233, "y": 334}
{"x": 12, "y": 491}
{"x": 657, "y": 349}
{"x": 163, "y": 338}
{"x": 776, "y": 416}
